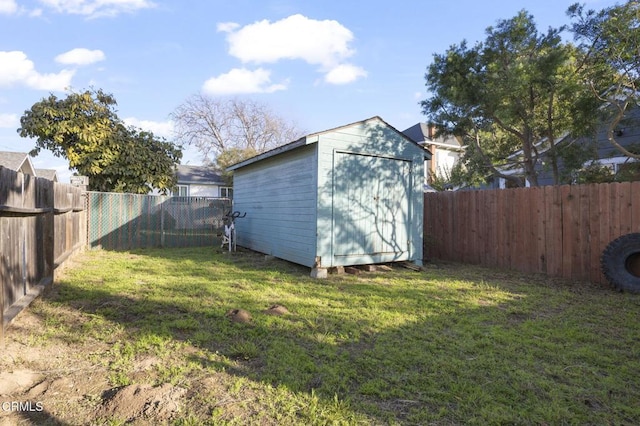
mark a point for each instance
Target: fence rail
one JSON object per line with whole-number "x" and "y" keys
{"x": 41, "y": 224}
{"x": 560, "y": 231}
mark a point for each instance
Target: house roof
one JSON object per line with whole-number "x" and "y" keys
{"x": 310, "y": 139}
{"x": 421, "y": 134}
{"x": 200, "y": 175}
{"x": 16, "y": 161}
{"x": 12, "y": 160}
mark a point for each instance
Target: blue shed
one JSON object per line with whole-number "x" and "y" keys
{"x": 351, "y": 195}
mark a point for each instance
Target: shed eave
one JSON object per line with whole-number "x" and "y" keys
{"x": 305, "y": 140}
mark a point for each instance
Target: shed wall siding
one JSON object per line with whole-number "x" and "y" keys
{"x": 279, "y": 197}
{"x": 370, "y": 138}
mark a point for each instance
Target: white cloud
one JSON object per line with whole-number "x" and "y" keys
{"x": 325, "y": 43}
{"x": 80, "y": 56}
{"x": 97, "y": 8}
{"x": 297, "y": 37}
{"x": 162, "y": 129}
{"x": 242, "y": 80}
{"x": 8, "y": 121}
{"x": 345, "y": 73}
{"x": 17, "y": 69}
{"x": 8, "y": 7}
{"x": 54, "y": 82}
{"x": 227, "y": 27}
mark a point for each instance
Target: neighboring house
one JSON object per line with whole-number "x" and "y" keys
{"x": 21, "y": 162}
{"x": 51, "y": 174}
{"x": 627, "y": 134}
{"x": 18, "y": 161}
{"x": 200, "y": 181}
{"x": 445, "y": 151}
{"x": 346, "y": 196}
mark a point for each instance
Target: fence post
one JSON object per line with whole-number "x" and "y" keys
{"x": 162, "y": 222}
{"x": 23, "y": 233}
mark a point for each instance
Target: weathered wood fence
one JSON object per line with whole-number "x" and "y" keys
{"x": 560, "y": 231}
{"x": 41, "y": 224}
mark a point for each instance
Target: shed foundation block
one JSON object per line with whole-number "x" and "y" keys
{"x": 336, "y": 270}
{"x": 319, "y": 273}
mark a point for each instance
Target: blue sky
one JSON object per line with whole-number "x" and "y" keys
{"x": 320, "y": 64}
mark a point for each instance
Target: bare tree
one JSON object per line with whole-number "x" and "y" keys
{"x": 216, "y": 126}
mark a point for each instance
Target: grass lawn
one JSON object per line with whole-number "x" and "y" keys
{"x": 454, "y": 344}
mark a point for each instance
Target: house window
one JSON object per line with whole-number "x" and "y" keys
{"x": 226, "y": 192}
{"x": 181, "y": 191}
{"x": 180, "y": 194}
{"x": 508, "y": 183}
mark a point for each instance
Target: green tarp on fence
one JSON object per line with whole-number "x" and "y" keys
{"x": 129, "y": 221}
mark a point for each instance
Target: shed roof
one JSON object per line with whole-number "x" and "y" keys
{"x": 309, "y": 139}
{"x": 201, "y": 175}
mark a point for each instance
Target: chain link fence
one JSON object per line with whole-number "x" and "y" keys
{"x": 130, "y": 221}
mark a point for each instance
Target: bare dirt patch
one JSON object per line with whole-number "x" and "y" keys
{"x": 56, "y": 378}
{"x": 64, "y": 383}
{"x": 134, "y": 402}
{"x": 48, "y": 383}
{"x": 276, "y": 310}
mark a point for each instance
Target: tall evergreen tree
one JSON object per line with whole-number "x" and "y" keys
{"x": 511, "y": 98}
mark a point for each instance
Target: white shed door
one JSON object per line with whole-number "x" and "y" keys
{"x": 370, "y": 207}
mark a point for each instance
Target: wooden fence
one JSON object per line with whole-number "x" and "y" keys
{"x": 41, "y": 224}
{"x": 560, "y": 231}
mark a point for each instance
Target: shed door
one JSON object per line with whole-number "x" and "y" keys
{"x": 371, "y": 207}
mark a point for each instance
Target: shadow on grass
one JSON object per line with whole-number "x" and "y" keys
{"x": 438, "y": 350}
{"x": 40, "y": 418}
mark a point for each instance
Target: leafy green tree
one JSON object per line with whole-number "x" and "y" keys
{"x": 610, "y": 52}
{"x": 511, "y": 98}
{"x": 85, "y": 129}
{"x": 232, "y": 156}
{"x": 595, "y": 173}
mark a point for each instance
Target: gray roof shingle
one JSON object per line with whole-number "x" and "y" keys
{"x": 51, "y": 174}
{"x": 12, "y": 160}
{"x": 198, "y": 175}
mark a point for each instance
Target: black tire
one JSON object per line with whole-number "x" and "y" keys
{"x": 620, "y": 263}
